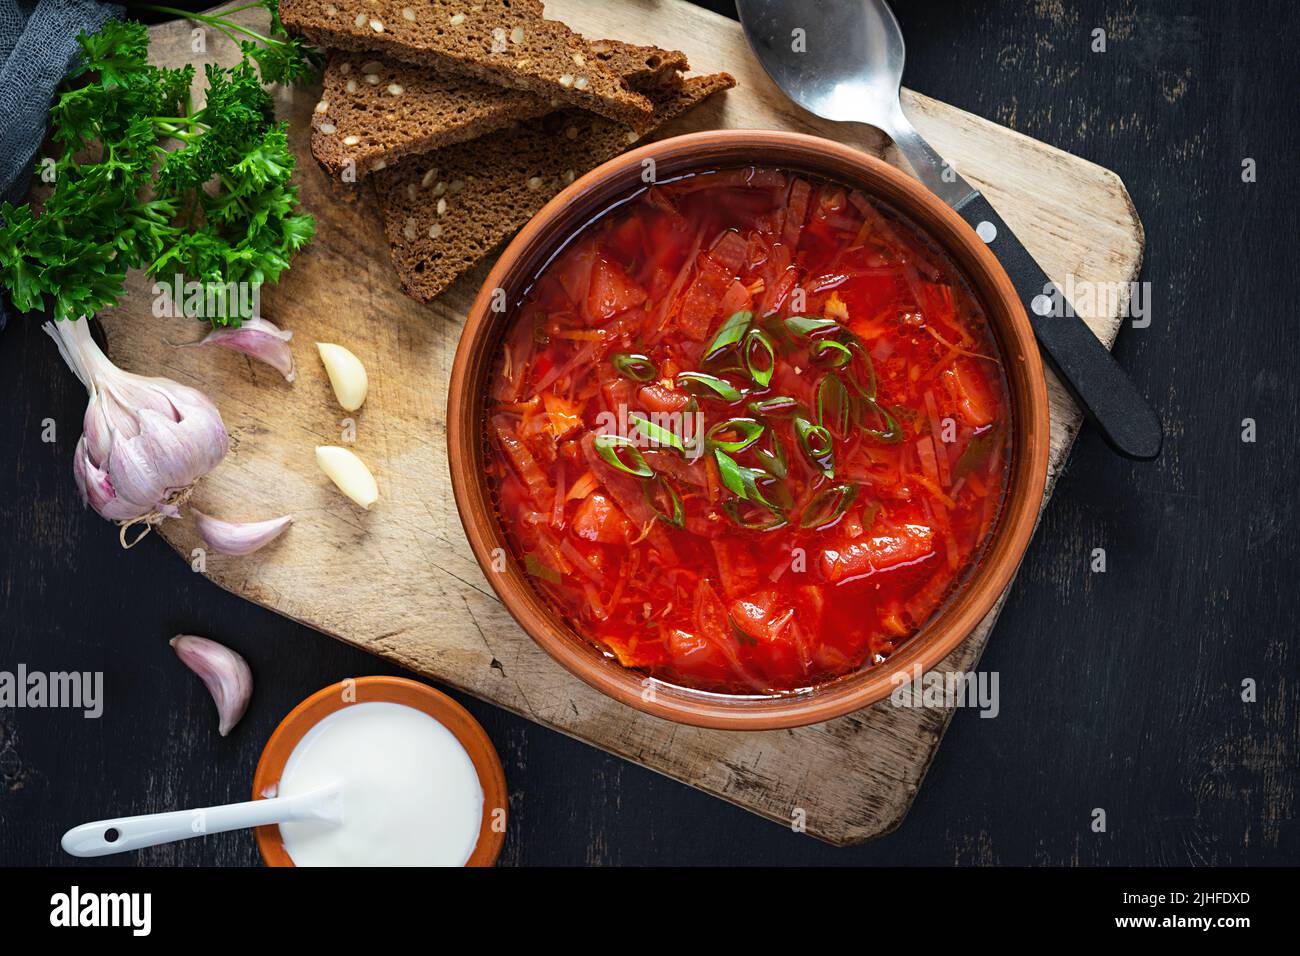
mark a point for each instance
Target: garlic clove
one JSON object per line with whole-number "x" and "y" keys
{"x": 238, "y": 537}
{"x": 157, "y": 460}
{"x": 97, "y": 488}
{"x": 346, "y": 373}
{"x": 349, "y": 473}
{"x": 224, "y": 673}
{"x": 257, "y": 338}
{"x": 96, "y": 433}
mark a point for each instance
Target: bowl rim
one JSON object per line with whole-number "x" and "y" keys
{"x": 965, "y": 608}
{"x": 390, "y": 690}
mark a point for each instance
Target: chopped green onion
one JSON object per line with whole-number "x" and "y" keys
{"x": 808, "y": 325}
{"x": 861, "y": 373}
{"x": 657, "y": 434}
{"x": 760, "y": 357}
{"x": 743, "y": 482}
{"x": 635, "y": 366}
{"x": 733, "y": 474}
{"x": 817, "y": 444}
{"x": 828, "y": 505}
{"x": 701, "y": 384}
{"x": 771, "y": 453}
{"x": 611, "y": 447}
{"x": 665, "y": 501}
{"x": 743, "y": 514}
{"x": 774, "y": 492}
{"x": 539, "y": 569}
{"x": 833, "y": 405}
{"x": 777, "y": 405}
{"x": 830, "y": 353}
{"x": 732, "y": 331}
{"x": 734, "y": 434}
{"x": 889, "y": 432}
{"x": 815, "y": 439}
{"x": 977, "y": 453}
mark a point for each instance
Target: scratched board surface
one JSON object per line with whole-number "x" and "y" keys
{"x": 1118, "y": 690}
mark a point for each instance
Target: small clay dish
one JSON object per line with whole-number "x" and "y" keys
{"x": 392, "y": 690}
{"x": 586, "y": 199}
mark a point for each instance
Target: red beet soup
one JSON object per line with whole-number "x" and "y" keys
{"x": 749, "y": 429}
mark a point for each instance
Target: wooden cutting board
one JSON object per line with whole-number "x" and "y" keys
{"x": 400, "y": 581}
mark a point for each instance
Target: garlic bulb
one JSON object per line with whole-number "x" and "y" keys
{"x": 238, "y": 537}
{"x": 256, "y": 338}
{"x": 145, "y": 441}
{"x": 225, "y": 674}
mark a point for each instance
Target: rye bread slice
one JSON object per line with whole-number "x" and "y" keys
{"x": 375, "y": 110}
{"x": 445, "y": 211}
{"x": 506, "y": 42}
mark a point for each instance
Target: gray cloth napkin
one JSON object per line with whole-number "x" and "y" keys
{"x": 38, "y": 45}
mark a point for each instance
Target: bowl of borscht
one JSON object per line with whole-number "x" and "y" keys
{"x": 743, "y": 425}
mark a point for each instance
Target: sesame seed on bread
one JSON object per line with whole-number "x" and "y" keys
{"x": 375, "y": 110}
{"x": 505, "y": 42}
{"x": 445, "y": 211}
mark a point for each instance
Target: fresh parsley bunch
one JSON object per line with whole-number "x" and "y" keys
{"x": 143, "y": 180}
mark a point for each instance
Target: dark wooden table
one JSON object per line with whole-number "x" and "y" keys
{"x": 1119, "y": 691}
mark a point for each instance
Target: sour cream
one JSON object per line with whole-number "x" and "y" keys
{"x": 411, "y": 795}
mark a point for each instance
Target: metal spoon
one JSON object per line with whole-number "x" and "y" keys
{"x": 843, "y": 60}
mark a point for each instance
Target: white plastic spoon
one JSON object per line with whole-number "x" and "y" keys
{"x": 132, "y": 833}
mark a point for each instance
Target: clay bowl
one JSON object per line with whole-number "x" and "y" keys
{"x": 566, "y": 214}
{"x": 392, "y": 690}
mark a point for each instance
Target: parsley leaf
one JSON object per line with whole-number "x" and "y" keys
{"x": 142, "y": 180}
